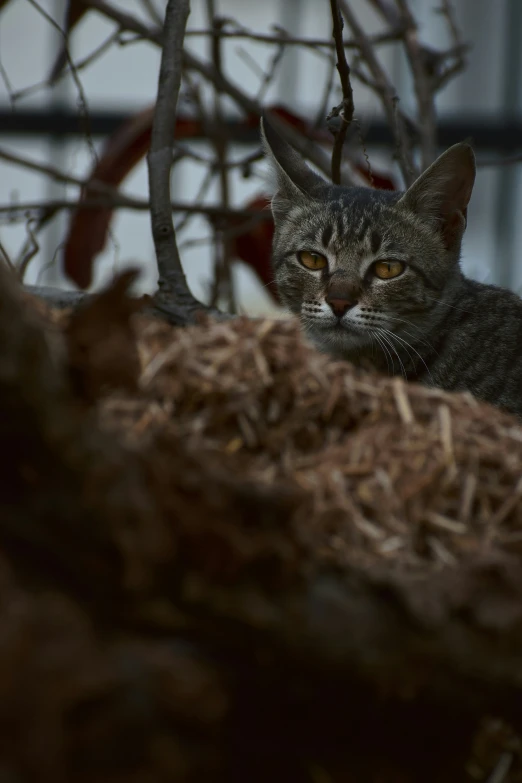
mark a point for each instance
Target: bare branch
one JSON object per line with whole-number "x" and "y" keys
{"x": 123, "y": 202}
{"x": 127, "y": 21}
{"x": 386, "y": 92}
{"x": 344, "y": 112}
{"x": 31, "y": 249}
{"x": 424, "y": 88}
{"x": 171, "y": 276}
{"x": 460, "y": 47}
{"x": 82, "y": 98}
{"x": 223, "y": 278}
{"x": 422, "y": 72}
{"x": 283, "y": 38}
{"x": 304, "y": 146}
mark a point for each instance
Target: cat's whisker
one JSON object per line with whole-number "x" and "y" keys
{"x": 416, "y": 337}
{"x": 393, "y": 348}
{"x": 407, "y": 345}
{"x": 421, "y": 341}
{"x": 392, "y": 336}
{"x": 446, "y": 304}
{"x": 385, "y": 352}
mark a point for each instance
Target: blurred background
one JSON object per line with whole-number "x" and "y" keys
{"x": 46, "y": 123}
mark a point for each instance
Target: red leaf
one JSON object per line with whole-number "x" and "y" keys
{"x": 89, "y": 228}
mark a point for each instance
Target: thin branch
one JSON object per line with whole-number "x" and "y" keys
{"x": 7, "y": 84}
{"x": 285, "y": 39}
{"x": 447, "y": 10}
{"x": 159, "y": 159}
{"x": 97, "y": 52}
{"x": 423, "y": 85}
{"x": 82, "y": 98}
{"x": 214, "y": 212}
{"x": 250, "y": 106}
{"x": 53, "y": 173}
{"x": 31, "y": 249}
{"x": 127, "y": 21}
{"x": 386, "y": 92}
{"x": 344, "y": 112}
{"x": 223, "y": 278}
{"x": 327, "y": 91}
{"x": 459, "y": 45}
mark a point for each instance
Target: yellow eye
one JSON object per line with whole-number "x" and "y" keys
{"x": 312, "y": 260}
{"x": 385, "y": 270}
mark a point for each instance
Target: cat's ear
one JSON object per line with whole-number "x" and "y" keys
{"x": 294, "y": 177}
{"x": 442, "y": 193}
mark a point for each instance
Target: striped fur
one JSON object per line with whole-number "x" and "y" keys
{"x": 430, "y": 324}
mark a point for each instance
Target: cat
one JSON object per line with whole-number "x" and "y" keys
{"x": 374, "y": 277}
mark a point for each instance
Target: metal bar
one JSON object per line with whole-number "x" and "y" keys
{"x": 486, "y": 133}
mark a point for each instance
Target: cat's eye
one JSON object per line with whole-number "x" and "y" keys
{"x": 385, "y": 270}
{"x": 312, "y": 261}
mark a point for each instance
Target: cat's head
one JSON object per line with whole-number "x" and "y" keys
{"x": 349, "y": 260}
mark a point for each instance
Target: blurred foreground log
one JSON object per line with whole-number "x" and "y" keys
{"x": 227, "y": 558}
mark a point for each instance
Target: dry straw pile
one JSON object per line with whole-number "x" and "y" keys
{"x": 388, "y": 471}
{"x": 226, "y": 557}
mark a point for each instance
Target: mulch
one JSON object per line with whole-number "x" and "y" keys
{"x": 227, "y": 557}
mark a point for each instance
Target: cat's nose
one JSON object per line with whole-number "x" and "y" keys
{"x": 340, "y": 306}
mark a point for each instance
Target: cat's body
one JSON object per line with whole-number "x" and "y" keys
{"x": 374, "y": 277}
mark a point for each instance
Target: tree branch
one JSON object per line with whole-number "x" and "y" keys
{"x": 281, "y": 37}
{"x": 386, "y": 92}
{"x": 423, "y": 81}
{"x": 344, "y": 112}
{"x": 122, "y": 201}
{"x": 304, "y": 146}
{"x": 172, "y": 281}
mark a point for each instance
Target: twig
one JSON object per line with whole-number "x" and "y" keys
{"x": 25, "y": 92}
{"x": 123, "y": 202}
{"x": 82, "y": 98}
{"x": 30, "y": 251}
{"x": 204, "y": 186}
{"x": 285, "y": 39}
{"x": 309, "y": 150}
{"x": 459, "y": 49}
{"x": 344, "y": 112}
{"x": 242, "y": 163}
{"x": 127, "y": 21}
{"x": 386, "y": 92}
{"x": 54, "y": 173}
{"x": 447, "y": 10}
{"x": 7, "y": 84}
{"x": 223, "y": 279}
{"x": 423, "y": 85}
{"x": 327, "y": 91}
{"x": 171, "y": 276}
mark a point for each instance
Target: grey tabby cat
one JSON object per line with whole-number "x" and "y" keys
{"x": 374, "y": 276}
